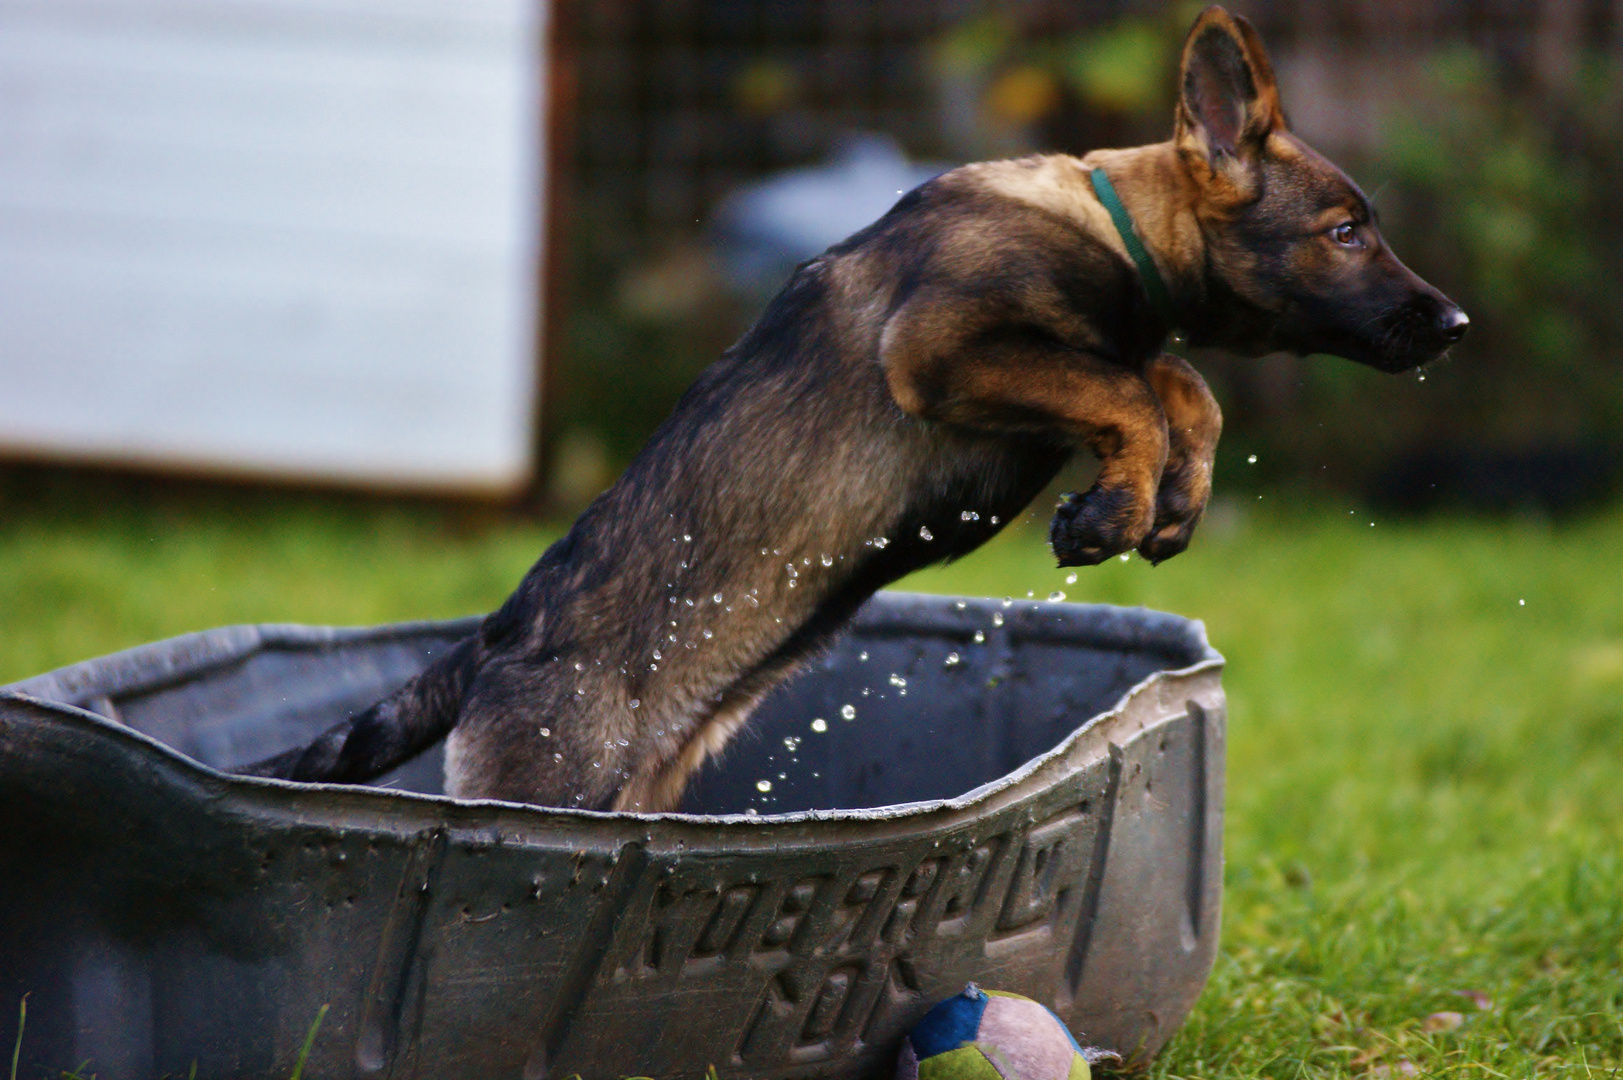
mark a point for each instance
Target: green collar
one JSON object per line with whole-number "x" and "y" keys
{"x": 1160, "y": 298}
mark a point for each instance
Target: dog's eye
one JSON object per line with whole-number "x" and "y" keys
{"x": 1345, "y": 234}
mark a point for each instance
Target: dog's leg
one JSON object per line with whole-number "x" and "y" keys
{"x": 658, "y": 783}
{"x": 942, "y": 365}
{"x": 1126, "y": 428}
{"x": 1194, "y": 423}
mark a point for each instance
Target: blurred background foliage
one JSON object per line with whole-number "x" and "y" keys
{"x": 1489, "y": 136}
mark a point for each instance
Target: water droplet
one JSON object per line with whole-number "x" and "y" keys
{"x": 1422, "y": 377}
{"x": 848, "y": 712}
{"x": 994, "y": 519}
{"x": 546, "y": 733}
{"x": 980, "y": 637}
{"x": 689, "y": 603}
{"x": 791, "y": 743}
{"x": 827, "y": 560}
{"x": 623, "y": 742}
{"x": 580, "y": 692}
{"x": 708, "y": 635}
{"x": 819, "y": 725}
{"x": 952, "y": 660}
{"x": 880, "y": 541}
{"x": 897, "y": 680}
{"x": 925, "y": 534}
{"x": 763, "y": 786}
{"x": 997, "y": 618}
{"x": 579, "y": 666}
{"x": 689, "y": 645}
{"x": 793, "y": 583}
{"x": 653, "y": 667}
{"x": 1124, "y": 555}
{"x": 1008, "y": 601}
{"x": 635, "y": 702}
{"x": 1055, "y": 597}
{"x": 863, "y": 656}
{"x": 1252, "y": 460}
{"x": 1070, "y": 579}
{"x": 1030, "y": 593}
{"x": 557, "y": 757}
{"x": 657, "y": 656}
{"x": 960, "y": 605}
{"x": 969, "y": 515}
{"x": 716, "y": 599}
{"x": 1521, "y": 603}
{"x": 687, "y": 538}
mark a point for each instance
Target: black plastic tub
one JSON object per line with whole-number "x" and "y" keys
{"x": 1026, "y": 796}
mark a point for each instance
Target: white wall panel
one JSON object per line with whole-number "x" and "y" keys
{"x": 286, "y": 236}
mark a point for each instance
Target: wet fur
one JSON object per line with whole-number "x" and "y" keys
{"x": 906, "y": 395}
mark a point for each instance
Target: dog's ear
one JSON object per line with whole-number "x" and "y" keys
{"x": 1228, "y": 102}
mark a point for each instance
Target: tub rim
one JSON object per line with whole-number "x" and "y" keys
{"x": 892, "y": 612}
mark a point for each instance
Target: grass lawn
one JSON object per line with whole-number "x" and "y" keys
{"x": 1425, "y": 818}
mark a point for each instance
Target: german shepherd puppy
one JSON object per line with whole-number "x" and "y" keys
{"x": 904, "y": 397}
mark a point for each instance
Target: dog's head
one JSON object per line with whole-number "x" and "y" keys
{"x": 1294, "y": 260}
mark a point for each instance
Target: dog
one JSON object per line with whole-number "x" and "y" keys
{"x": 902, "y": 399}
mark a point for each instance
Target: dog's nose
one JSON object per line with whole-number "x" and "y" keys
{"x": 1454, "y": 323}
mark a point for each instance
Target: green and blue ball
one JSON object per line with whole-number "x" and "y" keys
{"x": 991, "y": 1035}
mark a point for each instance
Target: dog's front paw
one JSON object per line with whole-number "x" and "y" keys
{"x": 1088, "y": 529}
{"x": 1168, "y": 540}
{"x": 1179, "y": 504}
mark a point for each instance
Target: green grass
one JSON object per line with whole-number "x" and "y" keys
{"x": 1425, "y": 773}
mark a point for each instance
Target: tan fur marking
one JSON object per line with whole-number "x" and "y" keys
{"x": 1057, "y": 183}
{"x": 658, "y": 785}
